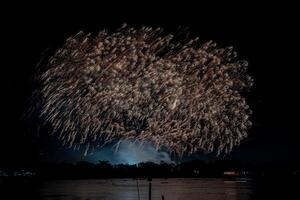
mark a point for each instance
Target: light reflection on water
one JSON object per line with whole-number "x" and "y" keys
{"x": 126, "y": 189}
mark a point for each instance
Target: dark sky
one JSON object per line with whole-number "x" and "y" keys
{"x": 265, "y": 35}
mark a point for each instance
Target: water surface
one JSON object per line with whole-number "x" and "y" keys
{"x": 131, "y": 189}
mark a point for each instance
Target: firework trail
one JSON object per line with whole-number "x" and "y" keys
{"x": 141, "y": 85}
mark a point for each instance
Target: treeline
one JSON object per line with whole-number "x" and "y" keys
{"x": 197, "y": 168}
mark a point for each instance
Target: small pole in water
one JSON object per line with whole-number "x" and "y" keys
{"x": 149, "y": 179}
{"x": 138, "y": 189}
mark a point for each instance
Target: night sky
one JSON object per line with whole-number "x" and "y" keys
{"x": 265, "y": 35}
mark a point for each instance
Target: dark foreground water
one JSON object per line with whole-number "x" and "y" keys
{"x": 132, "y": 189}
{"x": 128, "y": 189}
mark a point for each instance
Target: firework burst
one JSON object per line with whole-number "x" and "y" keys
{"x": 139, "y": 84}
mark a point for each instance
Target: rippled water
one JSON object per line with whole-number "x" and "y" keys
{"x": 130, "y": 189}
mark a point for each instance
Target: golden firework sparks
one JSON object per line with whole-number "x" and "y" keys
{"x": 139, "y": 84}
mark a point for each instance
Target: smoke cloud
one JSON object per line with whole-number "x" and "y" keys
{"x": 130, "y": 153}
